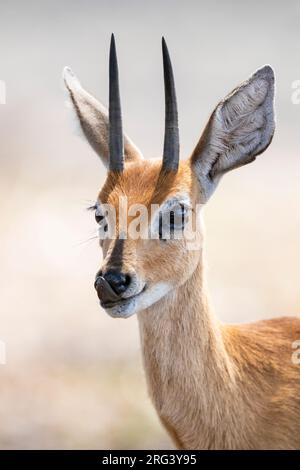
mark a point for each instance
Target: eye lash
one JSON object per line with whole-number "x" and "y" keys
{"x": 92, "y": 208}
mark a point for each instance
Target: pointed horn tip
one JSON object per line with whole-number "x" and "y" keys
{"x": 165, "y": 52}
{"x": 171, "y": 138}
{"x": 112, "y": 50}
{"x": 116, "y": 143}
{"x": 112, "y": 40}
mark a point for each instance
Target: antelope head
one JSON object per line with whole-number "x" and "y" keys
{"x": 138, "y": 271}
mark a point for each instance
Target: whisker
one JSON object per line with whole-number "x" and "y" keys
{"x": 94, "y": 236}
{"x": 82, "y": 242}
{"x": 92, "y": 208}
{"x": 88, "y": 204}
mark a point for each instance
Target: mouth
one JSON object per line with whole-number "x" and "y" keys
{"x": 119, "y": 308}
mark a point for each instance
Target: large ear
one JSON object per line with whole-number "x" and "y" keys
{"x": 93, "y": 119}
{"x": 240, "y": 128}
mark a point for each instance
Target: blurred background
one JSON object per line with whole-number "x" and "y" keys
{"x": 73, "y": 377}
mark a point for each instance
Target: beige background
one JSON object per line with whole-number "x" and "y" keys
{"x": 73, "y": 376}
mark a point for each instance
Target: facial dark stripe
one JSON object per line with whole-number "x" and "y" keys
{"x": 116, "y": 256}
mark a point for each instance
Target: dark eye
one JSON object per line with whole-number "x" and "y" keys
{"x": 175, "y": 220}
{"x": 178, "y": 218}
{"x": 98, "y": 218}
{"x": 172, "y": 221}
{"x": 164, "y": 231}
{"x": 160, "y": 227}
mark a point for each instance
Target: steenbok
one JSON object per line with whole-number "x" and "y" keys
{"x": 214, "y": 386}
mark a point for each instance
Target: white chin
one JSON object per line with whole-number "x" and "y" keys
{"x": 135, "y": 304}
{"x": 123, "y": 310}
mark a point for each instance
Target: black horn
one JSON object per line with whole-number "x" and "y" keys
{"x": 171, "y": 140}
{"x": 116, "y": 144}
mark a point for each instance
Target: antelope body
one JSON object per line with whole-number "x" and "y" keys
{"x": 214, "y": 386}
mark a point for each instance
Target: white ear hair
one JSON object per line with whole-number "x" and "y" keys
{"x": 240, "y": 128}
{"x": 71, "y": 113}
{"x": 92, "y": 117}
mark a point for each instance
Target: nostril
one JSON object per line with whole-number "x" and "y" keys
{"x": 98, "y": 275}
{"x": 118, "y": 281}
{"x": 96, "y": 281}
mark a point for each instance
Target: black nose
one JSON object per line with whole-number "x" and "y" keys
{"x": 117, "y": 280}
{"x": 111, "y": 285}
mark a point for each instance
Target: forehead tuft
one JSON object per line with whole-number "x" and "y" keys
{"x": 144, "y": 183}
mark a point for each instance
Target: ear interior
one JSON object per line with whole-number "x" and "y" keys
{"x": 240, "y": 128}
{"x": 93, "y": 120}
{"x": 72, "y": 114}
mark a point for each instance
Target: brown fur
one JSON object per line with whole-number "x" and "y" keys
{"x": 214, "y": 386}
